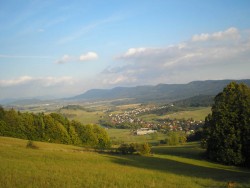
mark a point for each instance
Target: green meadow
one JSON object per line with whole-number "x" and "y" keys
{"x": 83, "y": 116}
{"x": 197, "y": 114}
{"x": 55, "y": 165}
{"x": 127, "y": 136}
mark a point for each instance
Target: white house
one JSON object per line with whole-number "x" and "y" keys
{"x": 144, "y": 131}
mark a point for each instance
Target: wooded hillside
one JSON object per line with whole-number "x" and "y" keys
{"x": 52, "y": 127}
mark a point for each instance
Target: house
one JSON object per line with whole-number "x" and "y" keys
{"x": 144, "y": 131}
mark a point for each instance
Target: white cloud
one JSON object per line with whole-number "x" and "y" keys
{"x": 39, "y": 81}
{"x": 223, "y": 54}
{"x": 229, "y": 34}
{"x": 64, "y": 59}
{"x": 133, "y": 52}
{"x": 53, "y": 81}
{"x": 13, "y": 82}
{"x": 27, "y": 86}
{"x": 88, "y": 56}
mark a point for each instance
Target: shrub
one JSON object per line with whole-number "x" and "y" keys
{"x": 127, "y": 148}
{"x": 30, "y": 144}
{"x": 145, "y": 149}
{"x": 142, "y": 149}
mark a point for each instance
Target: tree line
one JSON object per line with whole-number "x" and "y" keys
{"x": 53, "y": 128}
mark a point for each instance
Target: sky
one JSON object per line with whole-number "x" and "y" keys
{"x": 59, "y": 48}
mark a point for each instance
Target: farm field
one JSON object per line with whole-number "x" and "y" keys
{"x": 83, "y": 116}
{"x": 127, "y": 136}
{"x": 197, "y": 114}
{"x": 55, "y": 165}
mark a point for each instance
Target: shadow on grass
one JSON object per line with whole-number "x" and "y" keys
{"x": 191, "y": 151}
{"x": 181, "y": 168}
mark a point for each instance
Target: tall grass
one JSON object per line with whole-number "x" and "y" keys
{"x": 55, "y": 165}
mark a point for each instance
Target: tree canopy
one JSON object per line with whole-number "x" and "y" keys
{"x": 51, "y": 128}
{"x": 227, "y": 129}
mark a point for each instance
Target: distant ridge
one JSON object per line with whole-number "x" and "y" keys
{"x": 158, "y": 93}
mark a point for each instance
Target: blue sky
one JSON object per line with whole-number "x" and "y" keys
{"x": 63, "y": 48}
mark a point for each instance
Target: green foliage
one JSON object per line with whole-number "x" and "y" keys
{"x": 227, "y": 129}
{"x": 196, "y": 101}
{"x": 145, "y": 149}
{"x": 196, "y": 136}
{"x": 175, "y": 138}
{"x": 142, "y": 149}
{"x": 127, "y": 148}
{"x": 51, "y": 128}
{"x": 154, "y": 136}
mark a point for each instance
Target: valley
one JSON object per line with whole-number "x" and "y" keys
{"x": 176, "y": 158}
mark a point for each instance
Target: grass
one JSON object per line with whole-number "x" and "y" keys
{"x": 83, "y": 116}
{"x": 197, "y": 115}
{"x": 126, "y": 136}
{"x": 55, "y": 165}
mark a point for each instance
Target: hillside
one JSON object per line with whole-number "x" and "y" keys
{"x": 158, "y": 93}
{"x": 57, "y": 165}
{"x": 196, "y": 101}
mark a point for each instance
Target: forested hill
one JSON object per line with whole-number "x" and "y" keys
{"x": 159, "y": 93}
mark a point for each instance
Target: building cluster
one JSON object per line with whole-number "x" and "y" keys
{"x": 133, "y": 117}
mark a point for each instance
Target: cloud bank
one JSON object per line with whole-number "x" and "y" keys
{"x": 219, "y": 55}
{"x": 27, "y": 86}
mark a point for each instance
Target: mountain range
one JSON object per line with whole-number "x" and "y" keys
{"x": 159, "y": 93}
{"x": 202, "y": 91}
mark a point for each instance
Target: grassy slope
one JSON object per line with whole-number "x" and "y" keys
{"x": 196, "y": 113}
{"x": 54, "y": 165}
{"x": 84, "y": 116}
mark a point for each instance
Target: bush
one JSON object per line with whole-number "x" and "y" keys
{"x": 142, "y": 149}
{"x": 30, "y": 144}
{"x": 174, "y": 138}
{"x": 145, "y": 149}
{"x": 127, "y": 148}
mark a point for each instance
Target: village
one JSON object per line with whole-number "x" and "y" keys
{"x": 133, "y": 120}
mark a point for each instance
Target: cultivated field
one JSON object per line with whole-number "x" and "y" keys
{"x": 54, "y": 165}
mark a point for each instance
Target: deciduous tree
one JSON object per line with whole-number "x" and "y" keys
{"x": 227, "y": 129}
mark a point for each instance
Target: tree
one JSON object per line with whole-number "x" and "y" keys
{"x": 175, "y": 138}
{"x": 145, "y": 149}
{"x": 142, "y": 149}
{"x": 227, "y": 129}
{"x": 51, "y": 128}
{"x": 126, "y": 149}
